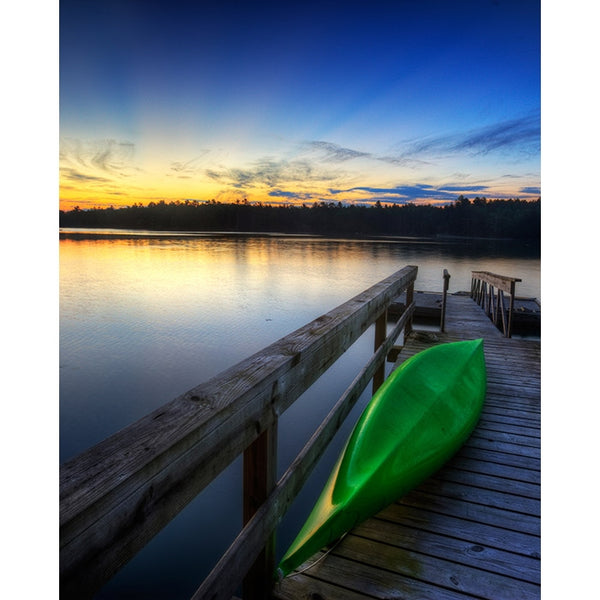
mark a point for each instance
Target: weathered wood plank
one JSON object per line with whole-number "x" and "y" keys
{"x": 470, "y": 530}
{"x": 520, "y": 439}
{"x": 475, "y": 495}
{"x": 499, "y": 469}
{"x": 490, "y": 482}
{"x": 494, "y": 456}
{"x": 366, "y": 580}
{"x": 501, "y": 282}
{"x": 503, "y": 443}
{"x": 502, "y": 416}
{"x": 303, "y": 586}
{"x": 478, "y": 554}
{"x": 526, "y": 425}
{"x": 446, "y": 574}
{"x": 482, "y": 513}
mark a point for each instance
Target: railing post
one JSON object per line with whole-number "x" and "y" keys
{"x": 510, "y": 309}
{"x": 260, "y": 478}
{"x": 444, "y": 294}
{"x": 410, "y": 292}
{"x": 380, "y": 335}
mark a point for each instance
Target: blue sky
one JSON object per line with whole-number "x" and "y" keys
{"x": 406, "y": 101}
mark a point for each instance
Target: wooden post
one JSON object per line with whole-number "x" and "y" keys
{"x": 260, "y": 478}
{"x": 510, "y": 309}
{"x": 444, "y": 294}
{"x": 410, "y": 292}
{"x": 380, "y": 335}
{"x": 503, "y": 309}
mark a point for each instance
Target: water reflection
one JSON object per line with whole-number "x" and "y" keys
{"x": 145, "y": 318}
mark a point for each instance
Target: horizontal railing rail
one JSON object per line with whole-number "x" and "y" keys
{"x": 488, "y": 289}
{"x": 117, "y": 495}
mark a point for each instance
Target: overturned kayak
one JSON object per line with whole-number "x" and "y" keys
{"x": 421, "y": 415}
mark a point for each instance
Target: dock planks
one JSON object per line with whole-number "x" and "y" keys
{"x": 472, "y": 530}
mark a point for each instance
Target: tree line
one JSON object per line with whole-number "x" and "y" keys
{"x": 480, "y": 217}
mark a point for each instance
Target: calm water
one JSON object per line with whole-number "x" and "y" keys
{"x": 145, "y": 317}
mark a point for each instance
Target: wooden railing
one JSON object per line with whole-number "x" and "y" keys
{"x": 488, "y": 290}
{"x": 117, "y": 495}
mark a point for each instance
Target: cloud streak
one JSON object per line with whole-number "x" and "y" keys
{"x": 97, "y": 161}
{"x": 333, "y": 153}
{"x": 271, "y": 173}
{"x": 188, "y": 168}
{"x": 520, "y": 134}
{"x": 419, "y": 192}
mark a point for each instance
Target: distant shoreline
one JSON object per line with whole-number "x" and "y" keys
{"x": 465, "y": 219}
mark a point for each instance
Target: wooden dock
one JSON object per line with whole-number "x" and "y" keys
{"x": 473, "y": 529}
{"x": 526, "y": 316}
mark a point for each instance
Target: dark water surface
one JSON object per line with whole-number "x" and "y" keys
{"x": 145, "y": 317}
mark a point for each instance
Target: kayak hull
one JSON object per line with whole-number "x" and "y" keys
{"x": 421, "y": 415}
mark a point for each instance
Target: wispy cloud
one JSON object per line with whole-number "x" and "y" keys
{"x": 75, "y": 175}
{"x": 96, "y": 161}
{"x": 520, "y": 135}
{"x": 399, "y": 194}
{"x": 333, "y": 153}
{"x": 530, "y": 190}
{"x": 187, "y": 169}
{"x": 271, "y": 173}
{"x": 329, "y": 152}
{"x": 291, "y": 195}
{"x": 111, "y": 156}
{"x": 403, "y": 194}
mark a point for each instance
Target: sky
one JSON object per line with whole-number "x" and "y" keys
{"x": 291, "y": 102}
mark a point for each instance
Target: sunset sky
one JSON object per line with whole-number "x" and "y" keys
{"x": 400, "y": 101}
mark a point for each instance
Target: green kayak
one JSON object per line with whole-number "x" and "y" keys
{"x": 421, "y": 415}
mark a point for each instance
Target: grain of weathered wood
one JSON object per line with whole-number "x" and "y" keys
{"x": 260, "y": 478}
{"x": 457, "y": 526}
{"x": 499, "y": 469}
{"x": 443, "y": 573}
{"x": 492, "y": 482}
{"x": 451, "y": 548}
{"x": 481, "y": 513}
{"x": 367, "y": 580}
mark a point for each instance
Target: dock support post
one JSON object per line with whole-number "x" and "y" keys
{"x": 444, "y": 294}
{"x": 510, "y": 309}
{"x": 260, "y": 478}
{"x": 380, "y": 335}
{"x": 410, "y": 292}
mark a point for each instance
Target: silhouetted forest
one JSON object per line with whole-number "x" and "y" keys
{"x": 516, "y": 219}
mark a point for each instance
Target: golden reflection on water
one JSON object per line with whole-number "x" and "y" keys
{"x": 144, "y": 318}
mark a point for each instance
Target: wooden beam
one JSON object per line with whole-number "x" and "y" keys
{"x": 260, "y": 478}
{"x": 380, "y": 334}
{"x": 499, "y": 281}
{"x": 446, "y": 276}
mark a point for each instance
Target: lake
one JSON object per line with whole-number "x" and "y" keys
{"x": 145, "y": 316}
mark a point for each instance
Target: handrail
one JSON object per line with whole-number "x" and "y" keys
{"x": 482, "y": 291}
{"x": 117, "y": 495}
